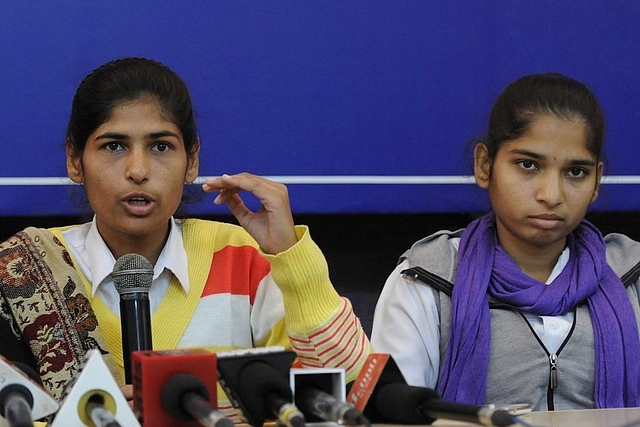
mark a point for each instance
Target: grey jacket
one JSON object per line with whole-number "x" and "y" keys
{"x": 519, "y": 364}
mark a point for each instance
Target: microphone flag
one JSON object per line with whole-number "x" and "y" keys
{"x": 12, "y": 377}
{"x": 93, "y": 380}
{"x": 153, "y": 369}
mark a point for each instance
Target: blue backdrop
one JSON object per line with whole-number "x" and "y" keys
{"x": 360, "y": 106}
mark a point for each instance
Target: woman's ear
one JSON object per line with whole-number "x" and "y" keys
{"x": 74, "y": 164}
{"x": 481, "y": 165}
{"x": 193, "y": 162}
{"x": 596, "y": 190}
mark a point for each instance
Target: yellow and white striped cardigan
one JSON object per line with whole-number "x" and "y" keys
{"x": 239, "y": 297}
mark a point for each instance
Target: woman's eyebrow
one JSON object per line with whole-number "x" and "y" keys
{"x": 538, "y": 156}
{"x": 152, "y": 135}
{"x": 162, "y": 134}
{"x": 111, "y": 135}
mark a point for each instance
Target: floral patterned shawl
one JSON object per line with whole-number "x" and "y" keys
{"x": 45, "y": 295}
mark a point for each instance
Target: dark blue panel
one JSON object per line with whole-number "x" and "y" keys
{"x": 309, "y": 88}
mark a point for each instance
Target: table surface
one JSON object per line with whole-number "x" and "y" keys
{"x": 626, "y": 417}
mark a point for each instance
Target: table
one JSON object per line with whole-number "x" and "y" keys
{"x": 574, "y": 418}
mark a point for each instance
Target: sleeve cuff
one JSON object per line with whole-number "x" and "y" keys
{"x": 302, "y": 274}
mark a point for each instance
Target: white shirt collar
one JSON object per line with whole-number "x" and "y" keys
{"x": 563, "y": 259}
{"x": 101, "y": 261}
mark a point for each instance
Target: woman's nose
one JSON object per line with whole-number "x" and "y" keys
{"x": 550, "y": 189}
{"x": 138, "y": 169}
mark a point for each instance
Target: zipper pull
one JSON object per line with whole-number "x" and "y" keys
{"x": 553, "y": 375}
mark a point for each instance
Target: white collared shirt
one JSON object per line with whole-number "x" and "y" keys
{"x": 96, "y": 262}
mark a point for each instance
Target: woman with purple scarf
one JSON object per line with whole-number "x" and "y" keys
{"x": 529, "y": 303}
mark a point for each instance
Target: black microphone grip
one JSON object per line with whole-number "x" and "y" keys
{"x": 486, "y": 415}
{"x": 404, "y": 404}
{"x": 135, "y": 315}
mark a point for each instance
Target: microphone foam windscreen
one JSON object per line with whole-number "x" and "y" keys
{"x": 176, "y": 388}
{"x": 261, "y": 378}
{"x": 256, "y": 379}
{"x": 132, "y": 273}
{"x": 402, "y": 403}
{"x": 248, "y": 375}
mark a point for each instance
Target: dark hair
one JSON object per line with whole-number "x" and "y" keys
{"x": 128, "y": 79}
{"x": 522, "y": 101}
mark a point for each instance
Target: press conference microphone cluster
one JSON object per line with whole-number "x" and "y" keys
{"x": 132, "y": 276}
{"x": 383, "y": 395}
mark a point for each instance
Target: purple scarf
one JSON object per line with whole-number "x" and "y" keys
{"x": 485, "y": 269}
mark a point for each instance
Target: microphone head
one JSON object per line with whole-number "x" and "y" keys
{"x": 175, "y": 388}
{"x": 248, "y": 376}
{"x": 402, "y": 404}
{"x": 132, "y": 273}
{"x": 261, "y": 379}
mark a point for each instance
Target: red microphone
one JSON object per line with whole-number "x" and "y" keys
{"x": 176, "y": 388}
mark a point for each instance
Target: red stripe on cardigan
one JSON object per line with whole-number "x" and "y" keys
{"x": 236, "y": 270}
{"x": 340, "y": 352}
{"x": 340, "y": 318}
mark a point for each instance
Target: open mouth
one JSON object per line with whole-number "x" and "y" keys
{"x": 138, "y": 201}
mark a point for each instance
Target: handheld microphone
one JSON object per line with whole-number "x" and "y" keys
{"x": 22, "y": 399}
{"x": 320, "y": 395}
{"x": 256, "y": 382}
{"x": 93, "y": 398}
{"x": 176, "y": 388}
{"x": 132, "y": 276}
{"x": 381, "y": 392}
